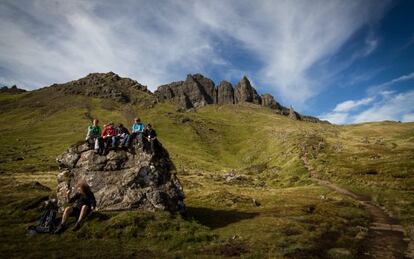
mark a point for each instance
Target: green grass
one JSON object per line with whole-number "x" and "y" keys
{"x": 295, "y": 218}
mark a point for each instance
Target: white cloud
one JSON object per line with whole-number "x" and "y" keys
{"x": 383, "y": 87}
{"x": 352, "y": 104}
{"x": 384, "y": 106}
{"x": 335, "y": 117}
{"x": 156, "y": 42}
{"x": 397, "y": 107}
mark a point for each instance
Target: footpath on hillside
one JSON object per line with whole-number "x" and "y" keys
{"x": 385, "y": 236}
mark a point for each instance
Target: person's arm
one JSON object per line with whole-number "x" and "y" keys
{"x": 88, "y": 133}
{"x": 74, "y": 198}
{"x": 93, "y": 201}
{"x": 103, "y": 132}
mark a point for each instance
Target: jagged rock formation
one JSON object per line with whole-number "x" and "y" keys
{"x": 244, "y": 92}
{"x": 107, "y": 86}
{"x": 122, "y": 179}
{"x": 195, "y": 91}
{"x": 225, "y": 93}
{"x": 13, "y": 90}
{"x": 293, "y": 115}
{"x": 269, "y": 101}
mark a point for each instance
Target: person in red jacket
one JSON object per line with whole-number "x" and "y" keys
{"x": 109, "y": 135}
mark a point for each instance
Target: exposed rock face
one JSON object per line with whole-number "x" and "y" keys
{"x": 13, "y": 90}
{"x": 195, "y": 91}
{"x": 107, "y": 86}
{"x": 122, "y": 179}
{"x": 225, "y": 93}
{"x": 269, "y": 101}
{"x": 293, "y": 115}
{"x": 244, "y": 92}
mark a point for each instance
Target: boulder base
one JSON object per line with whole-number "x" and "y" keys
{"x": 122, "y": 179}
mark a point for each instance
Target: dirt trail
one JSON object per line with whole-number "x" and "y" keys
{"x": 385, "y": 237}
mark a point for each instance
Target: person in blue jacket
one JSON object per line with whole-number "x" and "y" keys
{"x": 137, "y": 130}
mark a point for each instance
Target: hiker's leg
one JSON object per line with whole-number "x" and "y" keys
{"x": 83, "y": 213}
{"x": 101, "y": 145}
{"x": 152, "y": 146}
{"x": 139, "y": 137}
{"x": 124, "y": 141}
{"x": 96, "y": 146}
{"x": 66, "y": 214}
{"x": 113, "y": 142}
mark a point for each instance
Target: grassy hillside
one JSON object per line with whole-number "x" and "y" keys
{"x": 271, "y": 209}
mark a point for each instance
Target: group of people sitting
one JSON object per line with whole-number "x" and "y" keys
{"x": 112, "y": 137}
{"x": 83, "y": 201}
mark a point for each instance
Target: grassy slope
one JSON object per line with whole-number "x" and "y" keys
{"x": 262, "y": 147}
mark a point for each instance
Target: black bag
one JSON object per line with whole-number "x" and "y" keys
{"x": 47, "y": 222}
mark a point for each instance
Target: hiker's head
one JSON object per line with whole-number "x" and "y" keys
{"x": 149, "y": 126}
{"x": 111, "y": 124}
{"x": 95, "y": 122}
{"x": 137, "y": 120}
{"x": 120, "y": 125}
{"x": 83, "y": 187}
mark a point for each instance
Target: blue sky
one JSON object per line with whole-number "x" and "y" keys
{"x": 345, "y": 61}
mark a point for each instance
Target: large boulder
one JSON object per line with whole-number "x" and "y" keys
{"x": 122, "y": 179}
{"x": 244, "y": 92}
{"x": 225, "y": 93}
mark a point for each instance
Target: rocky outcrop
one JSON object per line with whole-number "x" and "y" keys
{"x": 225, "y": 93}
{"x": 12, "y": 90}
{"x": 106, "y": 86}
{"x": 293, "y": 115}
{"x": 269, "y": 101}
{"x": 122, "y": 179}
{"x": 244, "y": 92}
{"x": 195, "y": 91}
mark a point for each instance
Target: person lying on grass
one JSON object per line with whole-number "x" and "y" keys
{"x": 83, "y": 202}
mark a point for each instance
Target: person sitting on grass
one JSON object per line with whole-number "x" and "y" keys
{"x": 150, "y": 137}
{"x": 137, "y": 130}
{"x": 83, "y": 202}
{"x": 122, "y": 135}
{"x": 94, "y": 136}
{"x": 109, "y": 136}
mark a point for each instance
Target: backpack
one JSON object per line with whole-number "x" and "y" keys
{"x": 47, "y": 221}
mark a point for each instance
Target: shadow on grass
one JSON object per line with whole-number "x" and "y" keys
{"x": 214, "y": 218}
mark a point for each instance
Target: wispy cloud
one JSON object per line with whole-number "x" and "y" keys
{"x": 352, "y": 104}
{"x": 383, "y": 86}
{"x": 45, "y": 41}
{"x": 397, "y": 107}
{"x": 385, "y": 105}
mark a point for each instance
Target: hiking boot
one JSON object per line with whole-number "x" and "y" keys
{"x": 60, "y": 229}
{"x": 76, "y": 227}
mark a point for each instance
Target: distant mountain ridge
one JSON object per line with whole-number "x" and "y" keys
{"x": 11, "y": 89}
{"x": 194, "y": 92}
{"x": 197, "y": 91}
